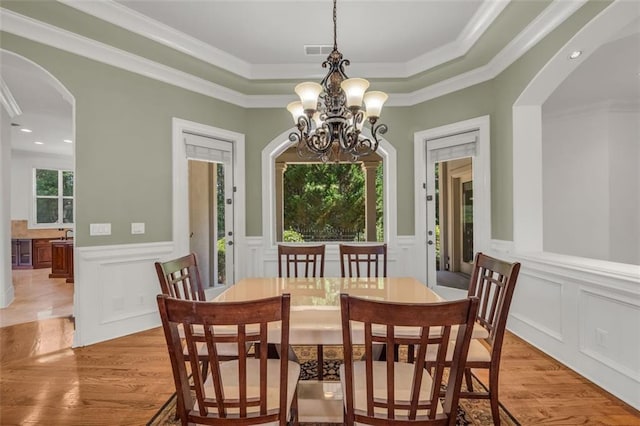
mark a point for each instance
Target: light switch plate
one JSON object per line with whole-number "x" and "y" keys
{"x": 137, "y": 228}
{"x": 100, "y": 229}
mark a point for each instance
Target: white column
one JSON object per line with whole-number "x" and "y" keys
{"x": 369, "y": 168}
{"x": 280, "y": 169}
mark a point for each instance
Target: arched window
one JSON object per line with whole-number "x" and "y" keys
{"x": 372, "y": 218}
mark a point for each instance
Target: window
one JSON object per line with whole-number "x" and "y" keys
{"x": 330, "y": 202}
{"x": 53, "y": 197}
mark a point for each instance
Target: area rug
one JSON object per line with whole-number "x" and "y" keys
{"x": 471, "y": 412}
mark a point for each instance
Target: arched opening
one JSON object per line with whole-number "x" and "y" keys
{"x": 280, "y": 152}
{"x": 38, "y": 213}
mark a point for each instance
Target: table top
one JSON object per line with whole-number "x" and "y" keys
{"x": 324, "y": 293}
{"x": 315, "y": 302}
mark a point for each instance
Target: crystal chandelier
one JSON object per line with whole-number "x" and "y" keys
{"x": 329, "y": 116}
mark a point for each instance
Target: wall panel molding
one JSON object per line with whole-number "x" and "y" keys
{"x": 115, "y": 290}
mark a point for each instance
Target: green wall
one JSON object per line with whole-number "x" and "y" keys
{"x": 123, "y": 136}
{"x": 123, "y": 141}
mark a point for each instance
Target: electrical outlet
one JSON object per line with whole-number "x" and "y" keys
{"x": 601, "y": 337}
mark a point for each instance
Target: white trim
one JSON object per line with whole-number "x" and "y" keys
{"x": 102, "y": 279}
{"x": 50, "y": 35}
{"x": 180, "y": 182}
{"x": 8, "y": 101}
{"x": 483, "y": 18}
{"x": 281, "y": 142}
{"x": 124, "y": 17}
{"x": 41, "y": 32}
{"x": 481, "y": 184}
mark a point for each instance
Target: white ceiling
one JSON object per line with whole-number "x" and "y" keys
{"x": 392, "y": 34}
{"x": 262, "y": 32}
{"x": 45, "y": 110}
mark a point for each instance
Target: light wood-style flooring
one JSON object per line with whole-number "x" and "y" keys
{"x": 125, "y": 381}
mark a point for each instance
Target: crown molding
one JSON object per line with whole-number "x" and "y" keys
{"x": 47, "y": 34}
{"x": 124, "y": 17}
{"x": 480, "y": 22}
{"x": 8, "y": 101}
{"x": 50, "y": 35}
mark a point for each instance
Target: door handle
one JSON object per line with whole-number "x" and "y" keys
{"x": 230, "y": 243}
{"x": 430, "y": 242}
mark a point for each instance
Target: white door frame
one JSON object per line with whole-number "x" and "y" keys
{"x": 423, "y": 143}
{"x": 180, "y": 199}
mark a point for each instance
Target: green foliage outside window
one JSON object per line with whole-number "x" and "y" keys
{"x": 327, "y": 202}
{"x": 54, "y": 196}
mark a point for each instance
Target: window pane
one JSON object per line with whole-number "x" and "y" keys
{"x": 47, "y": 210}
{"x": 67, "y": 184}
{"x": 46, "y": 182}
{"x": 67, "y": 210}
{"x": 324, "y": 202}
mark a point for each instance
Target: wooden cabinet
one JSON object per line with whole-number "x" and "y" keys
{"x": 41, "y": 253}
{"x": 21, "y": 254}
{"x": 62, "y": 259}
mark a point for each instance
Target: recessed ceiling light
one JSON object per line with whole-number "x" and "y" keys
{"x": 68, "y": 141}
{"x": 26, "y": 130}
{"x": 39, "y": 143}
{"x": 575, "y": 54}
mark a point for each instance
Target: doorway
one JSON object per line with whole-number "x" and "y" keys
{"x": 211, "y": 204}
{"x": 454, "y": 222}
{"x": 470, "y": 140}
{"x": 38, "y": 133}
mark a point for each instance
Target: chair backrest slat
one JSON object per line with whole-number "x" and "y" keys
{"x": 369, "y": 257}
{"x": 212, "y": 323}
{"x": 430, "y": 326}
{"x": 493, "y": 281}
{"x": 180, "y": 278}
{"x": 308, "y": 258}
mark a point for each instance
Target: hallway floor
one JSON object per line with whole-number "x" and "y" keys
{"x": 37, "y": 297}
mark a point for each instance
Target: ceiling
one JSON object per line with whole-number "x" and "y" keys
{"x": 46, "y": 111}
{"x": 260, "y": 33}
{"x": 400, "y": 37}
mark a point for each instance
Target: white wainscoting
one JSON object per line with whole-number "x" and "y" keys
{"x": 115, "y": 290}
{"x": 584, "y": 313}
{"x": 262, "y": 260}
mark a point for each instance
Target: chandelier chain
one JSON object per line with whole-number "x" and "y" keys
{"x": 335, "y": 19}
{"x": 329, "y": 116}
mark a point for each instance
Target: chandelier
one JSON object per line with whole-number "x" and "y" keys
{"x": 329, "y": 116}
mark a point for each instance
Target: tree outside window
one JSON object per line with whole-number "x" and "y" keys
{"x": 326, "y": 202}
{"x": 53, "y": 197}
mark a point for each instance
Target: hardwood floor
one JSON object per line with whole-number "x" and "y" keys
{"x": 125, "y": 381}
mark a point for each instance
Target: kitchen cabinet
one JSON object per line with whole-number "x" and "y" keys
{"x": 41, "y": 253}
{"x": 21, "y": 254}
{"x": 62, "y": 259}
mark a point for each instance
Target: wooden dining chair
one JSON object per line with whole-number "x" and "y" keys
{"x": 390, "y": 392}
{"x": 493, "y": 281}
{"x": 356, "y": 259}
{"x": 180, "y": 279}
{"x": 303, "y": 261}
{"x": 244, "y": 391}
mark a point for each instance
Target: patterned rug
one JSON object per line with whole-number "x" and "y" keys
{"x": 471, "y": 412}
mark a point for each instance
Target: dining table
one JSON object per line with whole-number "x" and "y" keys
{"x": 315, "y": 319}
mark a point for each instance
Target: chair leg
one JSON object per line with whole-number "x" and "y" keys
{"x": 411, "y": 354}
{"x": 467, "y": 376}
{"x": 493, "y": 395}
{"x": 294, "y": 409}
{"x": 320, "y": 362}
